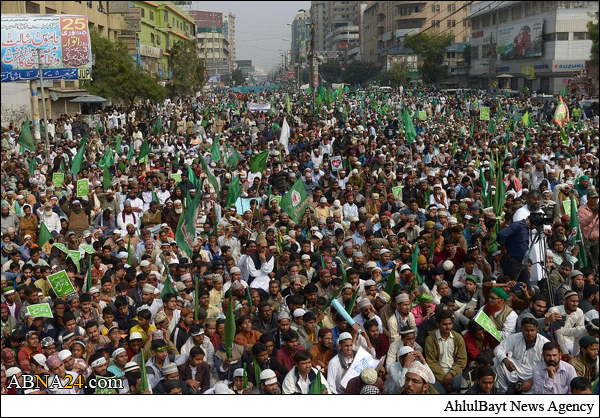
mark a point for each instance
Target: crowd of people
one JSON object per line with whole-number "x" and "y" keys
{"x": 442, "y": 251}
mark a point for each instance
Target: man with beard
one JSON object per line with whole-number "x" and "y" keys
{"x": 260, "y": 265}
{"x": 586, "y": 362}
{"x": 322, "y": 352}
{"x": 571, "y": 315}
{"x": 589, "y": 301}
{"x": 172, "y": 216}
{"x": 556, "y": 279}
{"x": 575, "y": 281}
{"x": 515, "y": 373}
{"x": 552, "y": 376}
{"x": 498, "y": 310}
{"x": 367, "y": 313}
{"x": 78, "y": 214}
{"x": 416, "y": 380}
{"x": 128, "y": 216}
{"x": 379, "y": 341}
{"x": 537, "y": 310}
{"x": 152, "y": 218}
{"x": 402, "y": 317}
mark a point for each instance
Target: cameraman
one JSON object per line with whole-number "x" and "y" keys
{"x": 588, "y": 221}
{"x": 536, "y": 242}
{"x": 514, "y": 243}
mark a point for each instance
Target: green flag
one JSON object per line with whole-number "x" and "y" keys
{"x": 89, "y": 275}
{"x": 78, "y": 160}
{"x": 233, "y": 159}
{"x": 575, "y": 237}
{"x": 157, "y": 126}
{"x": 411, "y": 134}
{"x": 233, "y": 192}
{"x": 563, "y": 136}
{"x": 295, "y": 201}
{"x": 288, "y": 105}
{"x": 211, "y": 178}
{"x": 118, "y": 145}
{"x": 32, "y": 166}
{"x": 185, "y": 235}
{"x": 25, "y": 137}
{"x": 414, "y": 267}
{"x": 144, "y": 150}
{"x": 352, "y": 301}
{"x": 256, "y": 371}
{"x": 106, "y": 178}
{"x": 215, "y": 150}
{"x": 192, "y": 177}
{"x": 391, "y": 281}
{"x": 316, "y": 387}
{"x": 44, "y": 235}
{"x": 155, "y": 197}
{"x": 525, "y": 119}
{"x": 258, "y": 162}
{"x": 229, "y": 333}
{"x": 144, "y": 380}
{"x": 492, "y": 126}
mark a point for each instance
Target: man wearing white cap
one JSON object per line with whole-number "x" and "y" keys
{"x": 402, "y": 317}
{"x": 416, "y": 379}
{"x": 268, "y": 384}
{"x": 338, "y": 365}
{"x": 367, "y": 312}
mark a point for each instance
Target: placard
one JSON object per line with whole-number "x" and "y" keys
{"x": 484, "y": 113}
{"x": 40, "y": 310}
{"x": 422, "y": 115}
{"x": 396, "y": 191}
{"x": 61, "y": 284}
{"x": 83, "y": 188}
{"x": 336, "y": 163}
{"x": 58, "y": 179}
{"x": 485, "y": 321}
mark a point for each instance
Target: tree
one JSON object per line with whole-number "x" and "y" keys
{"x": 238, "y": 77}
{"x": 187, "y": 67}
{"x": 593, "y": 30}
{"x": 116, "y": 77}
{"x": 466, "y": 55}
{"x": 397, "y": 74}
{"x": 432, "y": 49}
{"x": 331, "y": 71}
{"x": 358, "y": 72}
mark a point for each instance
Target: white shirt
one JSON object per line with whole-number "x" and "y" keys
{"x": 513, "y": 348}
{"x": 56, "y": 391}
{"x": 575, "y": 319}
{"x": 335, "y": 373}
{"x": 510, "y": 323}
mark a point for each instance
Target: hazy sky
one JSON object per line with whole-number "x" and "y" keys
{"x": 261, "y": 27}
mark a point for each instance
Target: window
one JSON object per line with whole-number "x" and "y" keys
{"x": 31, "y": 7}
{"x": 151, "y": 15}
{"x": 475, "y": 23}
{"x": 503, "y": 16}
{"x": 494, "y": 18}
{"x": 485, "y": 21}
{"x": 581, "y": 36}
{"x": 475, "y": 52}
{"x": 562, "y": 36}
{"x": 143, "y": 12}
{"x": 451, "y": 8}
{"x": 517, "y": 12}
{"x": 549, "y": 37}
{"x": 166, "y": 16}
{"x": 436, "y": 23}
{"x": 435, "y": 8}
{"x": 466, "y": 23}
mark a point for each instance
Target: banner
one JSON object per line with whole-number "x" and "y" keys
{"x": 258, "y": 107}
{"x": 336, "y": 163}
{"x": 40, "y": 310}
{"x": 177, "y": 177}
{"x": 64, "y": 41}
{"x": 83, "y": 188}
{"x": 243, "y": 204}
{"x": 485, "y": 321}
{"x": 58, "y": 179}
{"x": 422, "y": 115}
{"x": 484, "y": 113}
{"x": 520, "y": 40}
{"x": 61, "y": 284}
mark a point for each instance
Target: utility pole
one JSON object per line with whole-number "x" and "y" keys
{"x": 490, "y": 63}
{"x": 44, "y": 121}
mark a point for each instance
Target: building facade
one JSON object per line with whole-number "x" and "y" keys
{"x": 213, "y": 43}
{"x": 537, "y": 45}
{"x": 229, "y": 31}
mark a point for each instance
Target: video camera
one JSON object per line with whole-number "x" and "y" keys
{"x": 538, "y": 220}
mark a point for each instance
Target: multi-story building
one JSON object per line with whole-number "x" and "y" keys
{"x": 229, "y": 31}
{"x": 386, "y": 23}
{"x": 245, "y": 66}
{"x": 58, "y": 93}
{"x": 150, "y": 29}
{"x": 342, "y": 30}
{"x": 538, "y": 45}
{"x": 300, "y": 37}
{"x": 213, "y": 44}
{"x": 319, "y": 21}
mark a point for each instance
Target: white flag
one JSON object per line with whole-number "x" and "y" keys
{"x": 285, "y": 135}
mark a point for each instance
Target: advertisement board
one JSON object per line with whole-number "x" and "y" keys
{"x": 64, "y": 41}
{"x": 522, "y": 40}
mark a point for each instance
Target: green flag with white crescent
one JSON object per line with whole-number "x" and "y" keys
{"x": 295, "y": 201}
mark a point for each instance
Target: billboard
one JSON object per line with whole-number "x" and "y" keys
{"x": 523, "y": 40}
{"x": 64, "y": 41}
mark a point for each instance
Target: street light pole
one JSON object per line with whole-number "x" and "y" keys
{"x": 44, "y": 121}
